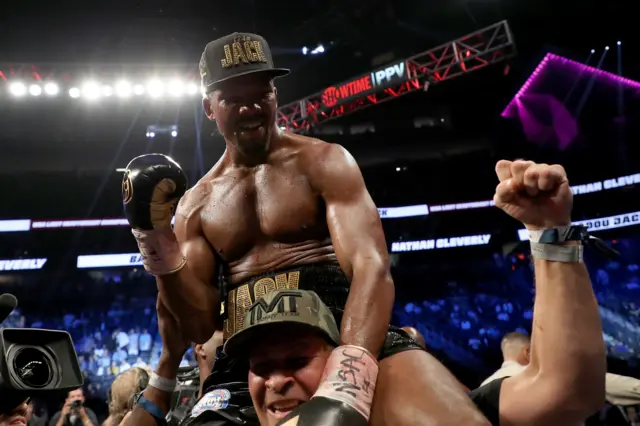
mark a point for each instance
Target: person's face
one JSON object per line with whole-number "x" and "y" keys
{"x": 245, "y": 110}
{"x": 285, "y": 372}
{"x": 76, "y": 395}
{"x": 16, "y": 417}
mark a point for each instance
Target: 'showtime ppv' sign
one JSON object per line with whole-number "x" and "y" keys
{"x": 382, "y": 78}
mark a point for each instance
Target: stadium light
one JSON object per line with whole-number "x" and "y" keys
{"x": 174, "y": 134}
{"x": 192, "y": 88}
{"x": 51, "y": 89}
{"x": 18, "y": 89}
{"x": 123, "y": 89}
{"x": 107, "y": 91}
{"x": 74, "y": 92}
{"x": 91, "y": 90}
{"x": 35, "y": 90}
{"x": 138, "y": 89}
{"x": 155, "y": 88}
{"x": 176, "y": 88}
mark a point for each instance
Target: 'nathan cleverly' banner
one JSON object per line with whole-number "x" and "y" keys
{"x": 440, "y": 243}
{"x": 21, "y": 264}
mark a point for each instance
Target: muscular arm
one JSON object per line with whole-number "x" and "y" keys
{"x": 190, "y": 294}
{"x": 360, "y": 246}
{"x": 564, "y": 383}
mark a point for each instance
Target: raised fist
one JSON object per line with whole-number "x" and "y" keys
{"x": 538, "y": 195}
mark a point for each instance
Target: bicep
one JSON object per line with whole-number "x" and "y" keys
{"x": 352, "y": 216}
{"x": 195, "y": 247}
{"x": 531, "y": 399}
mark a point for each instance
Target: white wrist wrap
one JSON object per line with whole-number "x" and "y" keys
{"x": 160, "y": 251}
{"x": 162, "y": 383}
{"x": 558, "y": 253}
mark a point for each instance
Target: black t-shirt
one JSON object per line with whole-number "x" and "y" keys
{"x": 487, "y": 399}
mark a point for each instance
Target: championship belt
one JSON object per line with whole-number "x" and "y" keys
{"x": 239, "y": 299}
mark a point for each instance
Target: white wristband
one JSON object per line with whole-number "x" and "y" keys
{"x": 162, "y": 383}
{"x": 558, "y": 253}
{"x": 160, "y": 251}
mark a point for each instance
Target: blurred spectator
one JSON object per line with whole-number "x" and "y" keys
{"x": 74, "y": 413}
{"x": 123, "y": 391}
{"x": 145, "y": 341}
{"x": 32, "y": 418}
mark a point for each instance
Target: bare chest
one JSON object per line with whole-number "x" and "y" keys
{"x": 265, "y": 207}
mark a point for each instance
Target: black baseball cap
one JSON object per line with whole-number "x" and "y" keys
{"x": 234, "y": 55}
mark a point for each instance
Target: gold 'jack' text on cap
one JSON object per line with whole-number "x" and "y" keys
{"x": 244, "y": 50}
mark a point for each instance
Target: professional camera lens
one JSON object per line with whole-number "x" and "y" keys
{"x": 33, "y": 367}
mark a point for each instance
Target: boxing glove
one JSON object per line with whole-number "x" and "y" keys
{"x": 151, "y": 188}
{"x": 345, "y": 394}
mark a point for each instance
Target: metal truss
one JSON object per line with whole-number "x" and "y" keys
{"x": 455, "y": 58}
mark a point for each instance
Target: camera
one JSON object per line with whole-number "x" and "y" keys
{"x": 36, "y": 363}
{"x": 76, "y": 404}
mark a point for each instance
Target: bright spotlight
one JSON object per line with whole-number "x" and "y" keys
{"x": 74, "y": 92}
{"x": 18, "y": 89}
{"x": 174, "y": 134}
{"x": 51, "y": 89}
{"x": 151, "y": 135}
{"x": 123, "y": 89}
{"x": 35, "y": 90}
{"x": 107, "y": 91}
{"x": 192, "y": 88}
{"x": 155, "y": 88}
{"x": 619, "y": 43}
{"x": 606, "y": 48}
{"x": 305, "y": 50}
{"x": 593, "y": 50}
{"x": 91, "y": 90}
{"x": 138, "y": 89}
{"x": 176, "y": 88}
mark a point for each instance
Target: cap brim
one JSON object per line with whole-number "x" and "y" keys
{"x": 240, "y": 343}
{"x": 272, "y": 72}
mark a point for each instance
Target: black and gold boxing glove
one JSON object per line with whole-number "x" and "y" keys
{"x": 151, "y": 189}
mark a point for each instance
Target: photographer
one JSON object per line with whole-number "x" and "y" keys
{"x": 74, "y": 413}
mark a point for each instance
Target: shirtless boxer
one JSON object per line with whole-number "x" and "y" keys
{"x": 280, "y": 210}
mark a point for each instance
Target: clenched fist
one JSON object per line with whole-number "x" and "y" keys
{"x": 538, "y": 195}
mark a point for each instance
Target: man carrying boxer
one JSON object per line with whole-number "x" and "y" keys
{"x": 278, "y": 211}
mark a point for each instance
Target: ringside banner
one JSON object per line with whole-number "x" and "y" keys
{"x": 599, "y": 224}
{"x": 23, "y": 225}
{"x": 109, "y": 260}
{"x": 22, "y": 264}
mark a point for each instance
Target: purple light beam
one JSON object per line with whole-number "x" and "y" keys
{"x": 576, "y": 67}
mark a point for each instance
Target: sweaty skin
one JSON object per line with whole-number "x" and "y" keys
{"x": 274, "y": 216}
{"x": 276, "y": 200}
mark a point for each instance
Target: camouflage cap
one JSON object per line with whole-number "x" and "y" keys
{"x": 278, "y": 308}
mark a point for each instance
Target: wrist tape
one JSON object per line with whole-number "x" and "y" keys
{"x": 350, "y": 376}
{"x": 558, "y": 253}
{"x": 160, "y": 251}
{"x": 162, "y": 383}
